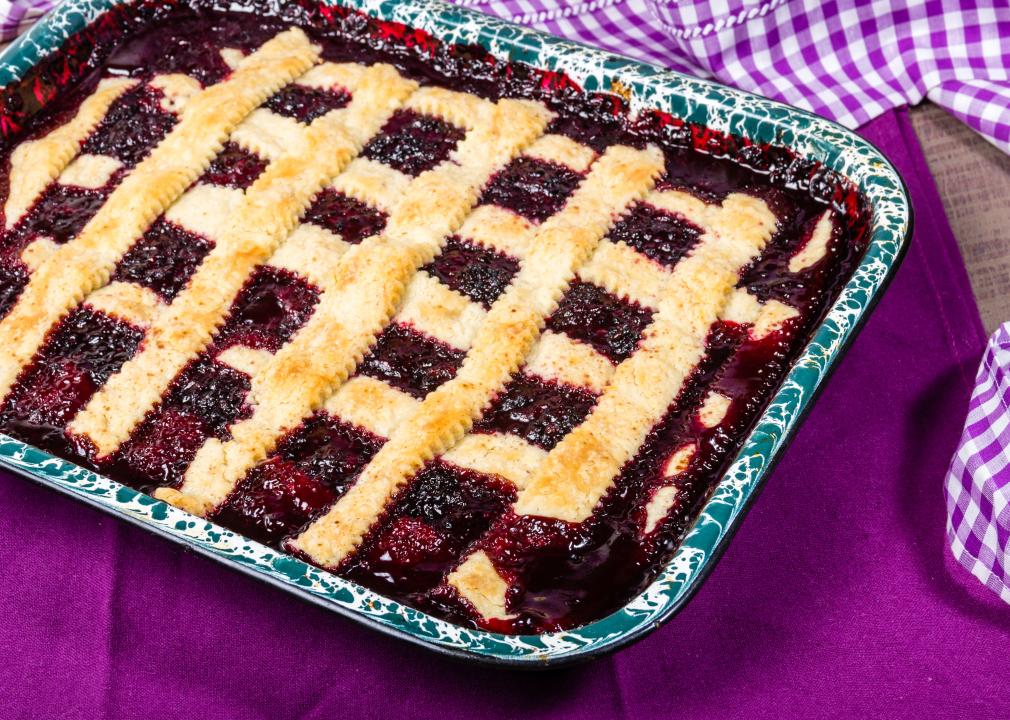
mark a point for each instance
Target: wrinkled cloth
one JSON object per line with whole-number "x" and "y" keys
{"x": 835, "y": 599}
{"x": 849, "y": 61}
{"x": 978, "y": 481}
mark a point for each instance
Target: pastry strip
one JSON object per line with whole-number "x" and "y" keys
{"x": 358, "y": 302}
{"x": 36, "y": 163}
{"x": 582, "y": 467}
{"x": 262, "y": 220}
{"x": 563, "y": 242}
{"x": 85, "y": 263}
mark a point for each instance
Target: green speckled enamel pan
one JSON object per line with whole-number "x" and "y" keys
{"x": 694, "y": 101}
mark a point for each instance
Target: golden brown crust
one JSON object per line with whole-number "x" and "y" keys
{"x": 366, "y": 288}
{"x": 581, "y": 468}
{"x": 816, "y": 246}
{"x": 563, "y": 242}
{"x": 562, "y": 359}
{"x": 371, "y": 404}
{"x": 90, "y": 171}
{"x": 477, "y": 581}
{"x": 86, "y": 262}
{"x": 504, "y": 455}
{"x": 626, "y": 273}
{"x": 563, "y": 151}
{"x": 439, "y": 311}
{"x": 36, "y": 163}
{"x": 262, "y": 220}
{"x": 127, "y": 301}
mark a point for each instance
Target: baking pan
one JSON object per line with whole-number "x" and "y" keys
{"x": 737, "y": 117}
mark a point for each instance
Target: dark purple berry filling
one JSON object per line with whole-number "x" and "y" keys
{"x": 13, "y": 278}
{"x": 664, "y": 237}
{"x": 79, "y": 356}
{"x": 234, "y": 167}
{"x": 134, "y": 124}
{"x": 202, "y": 402}
{"x": 611, "y": 325}
{"x": 305, "y": 104}
{"x": 271, "y": 308}
{"x": 351, "y": 219}
{"x": 560, "y": 575}
{"x": 164, "y": 259}
{"x": 411, "y": 361}
{"x": 311, "y": 468}
{"x": 533, "y": 188}
{"x": 413, "y": 143}
{"x": 593, "y": 120}
{"x": 61, "y": 213}
{"x": 539, "y": 411}
{"x": 473, "y": 270}
{"x": 442, "y": 511}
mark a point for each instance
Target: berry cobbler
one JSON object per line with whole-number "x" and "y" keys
{"x": 444, "y": 325}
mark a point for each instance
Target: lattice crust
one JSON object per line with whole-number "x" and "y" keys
{"x": 37, "y": 163}
{"x": 90, "y": 171}
{"x": 360, "y": 299}
{"x": 764, "y": 318}
{"x": 371, "y": 404}
{"x": 373, "y": 183}
{"x": 262, "y": 219}
{"x": 505, "y": 455}
{"x": 86, "y": 262}
{"x": 441, "y": 312}
{"x": 562, "y": 243}
{"x": 563, "y": 151}
{"x": 816, "y": 247}
{"x": 581, "y": 468}
{"x": 499, "y": 229}
{"x": 577, "y": 473}
{"x": 560, "y": 358}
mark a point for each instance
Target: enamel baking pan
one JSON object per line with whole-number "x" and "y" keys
{"x": 704, "y": 104}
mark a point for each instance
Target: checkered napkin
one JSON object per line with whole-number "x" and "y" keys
{"x": 978, "y": 482}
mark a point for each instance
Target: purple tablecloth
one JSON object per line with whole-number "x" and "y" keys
{"x": 836, "y": 598}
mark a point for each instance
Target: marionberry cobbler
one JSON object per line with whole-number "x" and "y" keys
{"x": 444, "y": 325}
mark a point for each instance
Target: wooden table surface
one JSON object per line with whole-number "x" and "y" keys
{"x": 974, "y": 181}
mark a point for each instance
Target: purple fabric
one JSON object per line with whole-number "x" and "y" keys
{"x": 837, "y": 597}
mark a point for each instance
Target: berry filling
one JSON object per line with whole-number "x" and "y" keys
{"x": 202, "y": 402}
{"x": 305, "y": 104}
{"x": 559, "y": 575}
{"x": 60, "y": 214}
{"x": 664, "y": 237}
{"x": 13, "y": 278}
{"x": 351, "y": 219}
{"x": 234, "y": 167}
{"x": 164, "y": 259}
{"x": 413, "y": 143}
{"x": 473, "y": 270}
{"x": 272, "y": 306}
{"x": 442, "y": 511}
{"x": 533, "y": 188}
{"x": 539, "y": 411}
{"x": 311, "y": 468}
{"x": 134, "y": 124}
{"x": 411, "y": 361}
{"x": 611, "y": 325}
{"x": 81, "y": 353}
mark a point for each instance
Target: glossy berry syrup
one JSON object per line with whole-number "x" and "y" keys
{"x": 559, "y": 574}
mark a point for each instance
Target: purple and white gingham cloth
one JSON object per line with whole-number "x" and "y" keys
{"x": 978, "y": 481}
{"x": 16, "y": 16}
{"x": 850, "y": 61}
